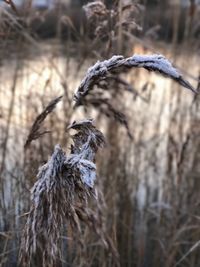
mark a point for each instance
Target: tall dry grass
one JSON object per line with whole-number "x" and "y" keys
{"x": 147, "y": 210}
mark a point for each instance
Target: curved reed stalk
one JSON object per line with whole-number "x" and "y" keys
{"x": 118, "y": 64}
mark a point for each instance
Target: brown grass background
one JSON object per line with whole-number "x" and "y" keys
{"x": 149, "y": 185}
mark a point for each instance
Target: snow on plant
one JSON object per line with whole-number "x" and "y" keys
{"x": 118, "y": 64}
{"x": 103, "y": 79}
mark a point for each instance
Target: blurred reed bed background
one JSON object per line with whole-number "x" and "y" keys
{"x": 149, "y": 171}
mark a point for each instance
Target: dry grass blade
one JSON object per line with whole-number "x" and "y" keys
{"x": 106, "y": 108}
{"x": 118, "y": 64}
{"x": 34, "y": 132}
{"x": 196, "y": 245}
{"x": 60, "y": 196}
{"x": 12, "y": 5}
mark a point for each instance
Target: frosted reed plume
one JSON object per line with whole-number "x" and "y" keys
{"x": 102, "y": 83}
{"x": 60, "y": 196}
{"x": 118, "y": 64}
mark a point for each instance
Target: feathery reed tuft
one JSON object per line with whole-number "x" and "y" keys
{"x": 35, "y": 129}
{"x": 104, "y": 77}
{"x": 118, "y": 64}
{"x": 60, "y": 195}
{"x": 105, "y": 22}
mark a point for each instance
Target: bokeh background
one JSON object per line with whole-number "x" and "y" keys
{"x": 151, "y": 182}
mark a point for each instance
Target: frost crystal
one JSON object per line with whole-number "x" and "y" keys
{"x": 154, "y": 62}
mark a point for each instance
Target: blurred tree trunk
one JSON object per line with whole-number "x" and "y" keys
{"x": 189, "y": 20}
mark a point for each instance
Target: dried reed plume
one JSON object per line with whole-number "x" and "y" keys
{"x": 35, "y": 129}
{"x": 105, "y": 22}
{"x": 118, "y": 64}
{"x": 104, "y": 76}
{"x": 96, "y": 8}
{"x": 60, "y": 196}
